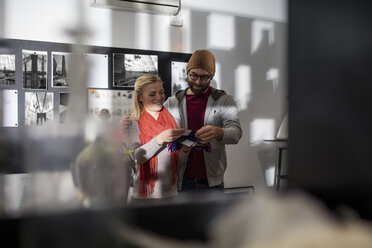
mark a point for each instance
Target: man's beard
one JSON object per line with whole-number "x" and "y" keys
{"x": 199, "y": 91}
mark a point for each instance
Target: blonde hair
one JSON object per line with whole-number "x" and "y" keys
{"x": 140, "y": 84}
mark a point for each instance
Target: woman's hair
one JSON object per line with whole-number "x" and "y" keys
{"x": 140, "y": 84}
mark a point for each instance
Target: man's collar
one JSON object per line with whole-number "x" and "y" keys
{"x": 215, "y": 93}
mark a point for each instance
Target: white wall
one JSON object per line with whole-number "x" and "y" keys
{"x": 248, "y": 38}
{"x": 1, "y": 18}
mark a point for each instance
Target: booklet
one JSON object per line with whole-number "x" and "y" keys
{"x": 188, "y": 138}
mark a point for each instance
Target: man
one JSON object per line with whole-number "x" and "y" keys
{"x": 213, "y": 115}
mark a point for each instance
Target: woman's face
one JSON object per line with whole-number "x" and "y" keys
{"x": 153, "y": 97}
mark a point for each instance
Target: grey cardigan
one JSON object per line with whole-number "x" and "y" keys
{"x": 141, "y": 153}
{"x": 221, "y": 111}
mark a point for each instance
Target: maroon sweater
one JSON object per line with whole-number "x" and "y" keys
{"x": 196, "y": 105}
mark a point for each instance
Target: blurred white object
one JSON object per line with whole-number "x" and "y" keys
{"x": 287, "y": 221}
{"x": 283, "y": 129}
{"x": 38, "y": 192}
{"x": 101, "y": 174}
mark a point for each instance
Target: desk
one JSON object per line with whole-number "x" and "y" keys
{"x": 278, "y": 165}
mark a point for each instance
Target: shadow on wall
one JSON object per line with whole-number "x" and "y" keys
{"x": 264, "y": 99}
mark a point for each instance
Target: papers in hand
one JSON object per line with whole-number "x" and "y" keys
{"x": 188, "y": 143}
{"x": 187, "y": 132}
{"x": 188, "y": 138}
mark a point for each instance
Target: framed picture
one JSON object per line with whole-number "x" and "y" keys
{"x": 38, "y": 108}
{"x": 63, "y": 106}
{"x": 128, "y": 67}
{"x": 7, "y": 69}
{"x": 110, "y": 105}
{"x": 179, "y": 76}
{"x": 35, "y": 66}
{"x": 61, "y": 64}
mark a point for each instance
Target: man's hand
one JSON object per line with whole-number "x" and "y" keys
{"x": 124, "y": 124}
{"x": 169, "y": 135}
{"x": 207, "y": 133}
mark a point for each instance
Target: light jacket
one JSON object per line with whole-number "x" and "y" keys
{"x": 143, "y": 152}
{"x": 220, "y": 111}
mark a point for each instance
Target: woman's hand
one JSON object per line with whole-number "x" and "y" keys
{"x": 169, "y": 135}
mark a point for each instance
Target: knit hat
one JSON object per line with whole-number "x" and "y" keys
{"x": 202, "y": 59}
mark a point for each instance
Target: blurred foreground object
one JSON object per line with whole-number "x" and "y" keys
{"x": 330, "y": 94}
{"x": 287, "y": 221}
{"x": 101, "y": 175}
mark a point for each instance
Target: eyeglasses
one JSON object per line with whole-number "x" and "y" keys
{"x": 203, "y": 78}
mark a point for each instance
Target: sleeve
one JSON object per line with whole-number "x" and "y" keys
{"x": 141, "y": 153}
{"x": 232, "y": 131}
{"x": 171, "y": 105}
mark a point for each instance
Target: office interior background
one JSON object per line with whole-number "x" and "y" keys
{"x": 328, "y": 48}
{"x": 248, "y": 39}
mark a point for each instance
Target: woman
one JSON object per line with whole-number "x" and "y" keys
{"x": 152, "y": 128}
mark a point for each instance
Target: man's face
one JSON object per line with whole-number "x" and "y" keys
{"x": 198, "y": 80}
